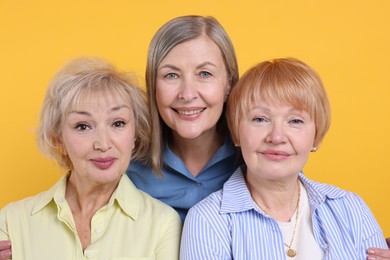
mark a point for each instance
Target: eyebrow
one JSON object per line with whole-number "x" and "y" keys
{"x": 170, "y": 66}
{"x": 113, "y": 109}
{"x": 267, "y": 109}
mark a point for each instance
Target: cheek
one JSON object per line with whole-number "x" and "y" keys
{"x": 246, "y": 136}
{"x": 127, "y": 141}
{"x": 164, "y": 99}
{"x": 219, "y": 94}
{"x": 304, "y": 144}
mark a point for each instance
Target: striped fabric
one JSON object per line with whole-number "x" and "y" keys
{"x": 228, "y": 225}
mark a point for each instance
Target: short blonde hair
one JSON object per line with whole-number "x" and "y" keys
{"x": 76, "y": 81}
{"x": 285, "y": 81}
{"x": 176, "y": 31}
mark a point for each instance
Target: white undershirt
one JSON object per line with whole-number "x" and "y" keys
{"x": 304, "y": 242}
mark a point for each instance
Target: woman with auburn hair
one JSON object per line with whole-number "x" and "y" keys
{"x": 279, "y": 113}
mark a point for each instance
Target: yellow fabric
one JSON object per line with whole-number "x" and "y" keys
{"x": 132, "y": 225}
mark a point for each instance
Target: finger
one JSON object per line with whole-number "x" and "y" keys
{"x": 5, "y": 254}
{"x": 5, "y": 250}
{"x": 385, "y": 253}
{"x": 5, "y": 244}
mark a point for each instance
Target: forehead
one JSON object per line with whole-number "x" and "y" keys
{"x": 271, "y": 97}
{"x": 96, "y": 99}
{"x": 201, "y": 48}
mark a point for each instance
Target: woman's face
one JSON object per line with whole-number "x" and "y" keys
{"x": 98, "y": 137}
{"x": 276, "y": 140}
{"x": 191, "y": 87}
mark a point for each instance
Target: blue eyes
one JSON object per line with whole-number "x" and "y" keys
{"x": 258, "y": 119}
{"x": 205, "y": 74}
{"x": 296, "y": 121}
{"x": 292, "y": 121}
{"x": 202, "y": 74}
{"x": 171, "y": 76}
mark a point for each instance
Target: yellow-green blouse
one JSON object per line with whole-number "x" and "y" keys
{"x": 133, "y": 225}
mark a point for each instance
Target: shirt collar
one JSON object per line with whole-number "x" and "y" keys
{"x": 126, "y": 195}
{"x": 173, "y": 161}
{"x": 236, "y": 196}
{"x": 55, "y": 193}
{"x": 319, "y": 192}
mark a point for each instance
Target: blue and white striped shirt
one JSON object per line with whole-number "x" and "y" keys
{"x": 228, "y": 225}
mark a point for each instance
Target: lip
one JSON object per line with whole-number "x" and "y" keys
{"x": 103, "y": 163}
{"x": 275, "y": 155}
{"x": 189, "y": 113}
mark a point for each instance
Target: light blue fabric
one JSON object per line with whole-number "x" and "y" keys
{"x": 228, "y": 225}
{"x": 178, "y": 187}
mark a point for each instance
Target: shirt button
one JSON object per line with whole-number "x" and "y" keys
{"x": 98, "y": 230}
{"x": 59, "y": 200}
{"x": 197, "y": 184}
{"x": 89, "y": 254}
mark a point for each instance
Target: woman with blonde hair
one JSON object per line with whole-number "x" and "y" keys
{"x": 93, "y": 119}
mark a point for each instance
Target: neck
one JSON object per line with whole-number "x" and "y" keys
{"x": 277, "y": 199}
{"x": 196, "y": 153}
{"x": 86, "y": 198}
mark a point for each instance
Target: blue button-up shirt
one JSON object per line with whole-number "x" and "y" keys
{"x": 178, "y": 187}
{"x": 228, "y": 225}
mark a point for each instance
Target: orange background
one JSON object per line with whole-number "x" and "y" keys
{"x": 347, "y": 42}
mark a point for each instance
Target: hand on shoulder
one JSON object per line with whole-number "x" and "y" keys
{"x": 379, "y": 253}
{"x": 5, "y": 250}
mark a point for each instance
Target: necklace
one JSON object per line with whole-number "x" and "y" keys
{"x": 291, "y": 252}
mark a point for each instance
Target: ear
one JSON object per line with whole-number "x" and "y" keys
{"x": 61, "y": 147}
{"x": 227, "y": 92}
{"x": 316, "y": 146}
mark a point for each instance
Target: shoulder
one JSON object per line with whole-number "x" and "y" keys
{"x": 340, "y": 201}
{"x": 138, "y": 167}
{"x": 151, "y": 209}
{"x": 158, "y": 214}
{"x": 156, "y": 204}
{"x": 25, "y": 206}
{"x": 36, "y": 202}
{"x": 320, "y": 193}
{"x": 208, "y": 209}
{"x": 212, "y": 201}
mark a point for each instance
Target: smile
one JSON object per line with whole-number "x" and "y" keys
{"x": 103, "y": 163}
{"x": 275, "y": 155}
{"x": 190, "y": 112}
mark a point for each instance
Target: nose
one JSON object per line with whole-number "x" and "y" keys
{"x": 276, "y": 134}
{"x": 188, "y": 89}
{"x": 102, "y": 140}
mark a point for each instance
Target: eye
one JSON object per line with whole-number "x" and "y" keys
{"x": 119, "y": 124}
{"x": 171, "y": 76}
{"x": 81, "y": 127}
{"x": 259, "y": 119}
{"x": 296, "y": 121}
{"x": 205, "y": 74}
